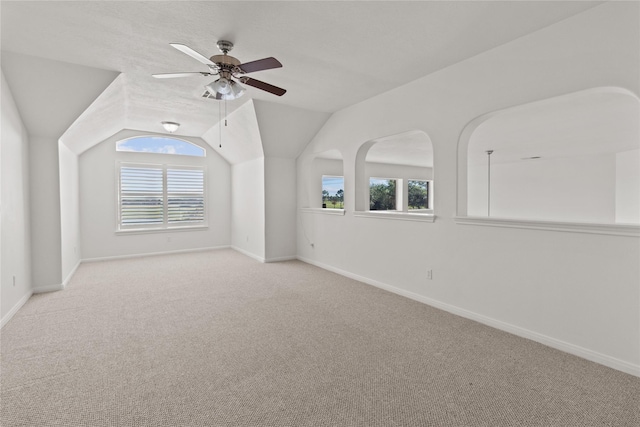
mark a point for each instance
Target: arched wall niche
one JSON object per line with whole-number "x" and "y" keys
{"x": 401, "y": 157}
{"x": 324, "y": 164}
{"x": 573, "y": 158}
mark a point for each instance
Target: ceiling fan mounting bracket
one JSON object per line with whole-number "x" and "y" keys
{"x": 225, "y": 46}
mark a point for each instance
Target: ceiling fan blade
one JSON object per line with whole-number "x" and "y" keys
{"x": 192, "y": 53}
{"x": 174, "y": 75}
{"x": 264, "y": 86}
{"x": 260, "y": 64}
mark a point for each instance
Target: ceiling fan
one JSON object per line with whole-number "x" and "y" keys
{"x": 229, "y": 69}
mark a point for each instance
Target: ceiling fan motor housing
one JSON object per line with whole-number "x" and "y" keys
{"x": 228, "y": 65}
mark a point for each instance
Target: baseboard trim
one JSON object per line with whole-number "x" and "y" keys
{"x": 573, "y": 349}
{"x": 179, "y": 251}
{"x": 48, "y": 288}
{"x": 249, "y": 254}
{"x": 282, "y": 258}
{"x": 15, "y": 309}
{"x": 66, "y": 281}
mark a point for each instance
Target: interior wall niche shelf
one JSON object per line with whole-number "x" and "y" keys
{"x": 630, "y": 230}
{"x": 402, "y": 216}
{"x": 322, "y": 211}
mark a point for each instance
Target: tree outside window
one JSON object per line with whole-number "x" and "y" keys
{"x": 382, "y": 194}
{"x": 418, "y": 194}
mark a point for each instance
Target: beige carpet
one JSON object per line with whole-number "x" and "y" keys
{"x": 218, "y": 339}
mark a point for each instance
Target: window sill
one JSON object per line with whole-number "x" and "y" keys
{"x": 395, "y": 215}
{"x": 323, "y": 211}
{"x": 161, "y": 230}
{"x": 573, "y": 227}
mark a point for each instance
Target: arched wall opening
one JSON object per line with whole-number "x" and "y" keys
{"x": 397, "y": 165}
{"x": 572, "y": 158}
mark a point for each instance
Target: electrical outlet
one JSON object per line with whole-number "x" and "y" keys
{"x": 14, "y": 280}
{"x": 430, "y": 274}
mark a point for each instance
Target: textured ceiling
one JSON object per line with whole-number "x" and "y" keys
{"x": 334, "y": 54}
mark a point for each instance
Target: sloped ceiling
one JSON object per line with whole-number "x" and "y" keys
{"x": 285, "y": 130}
{"x": 335, "y": 54}
{"x": 51, "y": 95}
{"x": 239, "y": 140}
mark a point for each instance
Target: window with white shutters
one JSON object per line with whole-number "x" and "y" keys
{"x": 185, "y": 196}
{"x": 161, "y": 196}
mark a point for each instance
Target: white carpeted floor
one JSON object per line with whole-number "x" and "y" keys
{"x": 218, "y": 339}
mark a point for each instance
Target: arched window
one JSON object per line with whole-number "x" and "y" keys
{"x": 160, "y": 145}
{"x": 160, "y": 192}
{"x": 395, "y": 175}
{"x": 573, "y": 158}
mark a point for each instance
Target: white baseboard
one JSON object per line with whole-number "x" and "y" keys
{"x": 249, "y": 254}
{"x": 14, "y": 310}
{"x": 282, "y": 258}
{"x": 66, "y": 281}
{"x": 179, "y": 251}
{"x": 48, "y": 288}
{"x": 582, "y": 352}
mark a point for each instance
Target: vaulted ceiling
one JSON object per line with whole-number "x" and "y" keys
{"x": 84, "y": 68}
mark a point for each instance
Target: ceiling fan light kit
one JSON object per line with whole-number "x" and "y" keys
{"x": 227, "y": 68}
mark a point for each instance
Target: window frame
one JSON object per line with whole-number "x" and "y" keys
{"x": 165, "y": 225}
{"x": 429, "y": 208}
{"x": 398, "y": 196}
{"x": 322, "y": 189}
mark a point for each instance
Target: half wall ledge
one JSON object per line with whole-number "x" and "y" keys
{"x": 629, "y": 230}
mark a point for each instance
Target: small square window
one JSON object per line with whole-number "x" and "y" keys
{"x": 382, "y": 194}
{"x": 332, "y": 192}
{"x": 418, "y": 194}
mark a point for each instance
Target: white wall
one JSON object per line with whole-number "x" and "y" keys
{"x": 69, "y": 211}
{"x": 248, "y": 208}
{"x": 14, "y": 202}
{"x": 578, "y": 292}
{"x": 44, "y": 192}
{"x": 280, "y": 208}
{"x": 98, "y": 204}
{"x": 579, "y": 189}
{"x": 628, "y": 187}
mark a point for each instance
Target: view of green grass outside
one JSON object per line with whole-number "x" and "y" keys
{"x": 333, "y": 201}
{"x": 332, "y": 192}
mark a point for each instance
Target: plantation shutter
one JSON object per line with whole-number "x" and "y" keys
{"x": 185, "y": 196}
{"x": 141, "y": 196}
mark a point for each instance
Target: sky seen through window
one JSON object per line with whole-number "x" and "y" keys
{"x": 160, "y": 145}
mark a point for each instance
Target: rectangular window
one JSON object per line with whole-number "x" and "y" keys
{"x": 185, "y": 196}
{"x": 332, "y": 192}
{"x": 382, "y": 194}
{"x": 161, "y": 196}
{"x": 418, "y": 194}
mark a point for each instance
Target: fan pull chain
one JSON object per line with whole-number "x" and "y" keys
{"x": 220, "y": 127}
